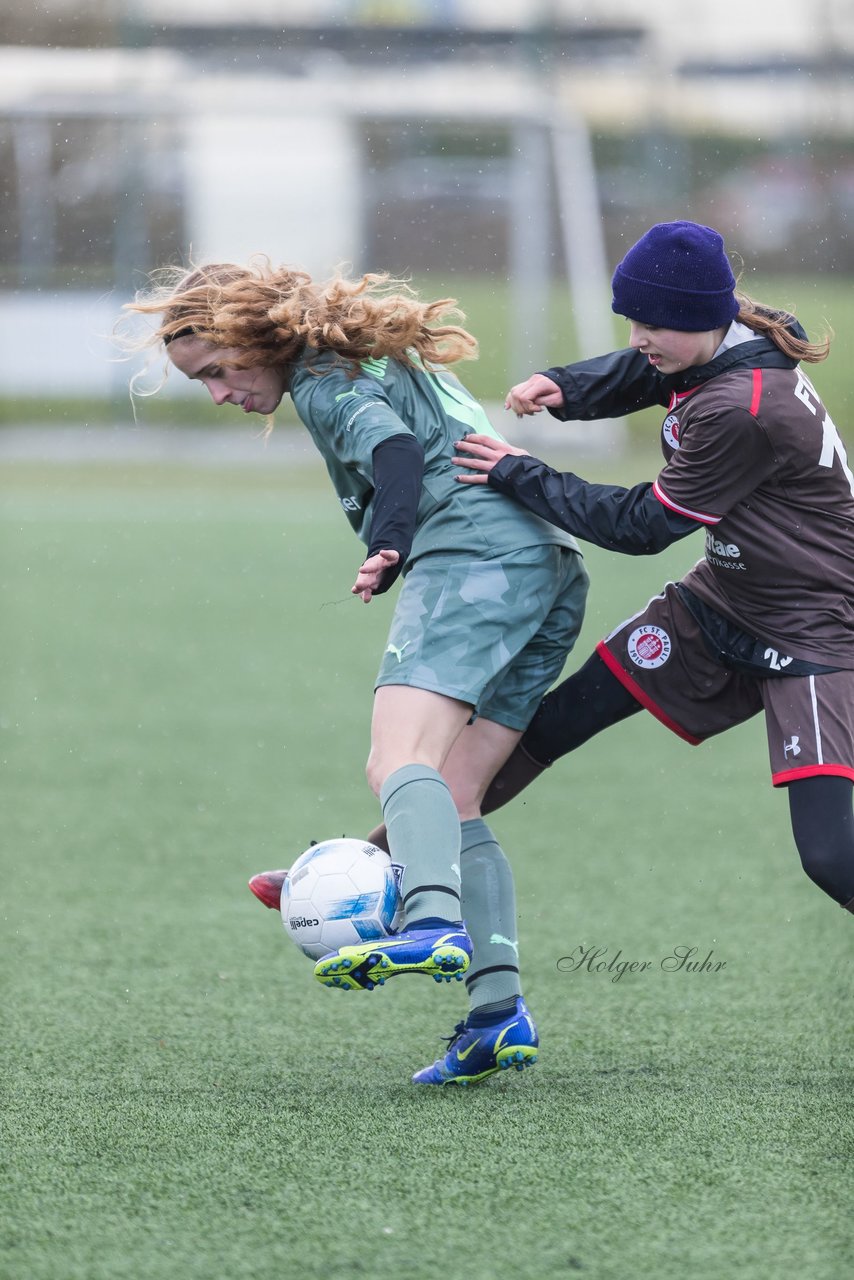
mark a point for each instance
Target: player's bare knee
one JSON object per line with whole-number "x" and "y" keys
{"x": 467, "y": 799}
{"x": 374, "y": 774}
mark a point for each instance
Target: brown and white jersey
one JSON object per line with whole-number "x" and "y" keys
{"x": 751, "y": 454}
{"x": 754, "y": 456}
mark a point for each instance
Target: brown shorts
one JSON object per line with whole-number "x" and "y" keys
{"x": 659, "y": 655}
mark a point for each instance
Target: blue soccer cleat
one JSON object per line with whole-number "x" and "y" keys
{"x": 441, "y": 953}
{"x": 477, "y": 1052}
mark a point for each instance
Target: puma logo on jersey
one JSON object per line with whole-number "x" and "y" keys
{"x": 398, "y": 653}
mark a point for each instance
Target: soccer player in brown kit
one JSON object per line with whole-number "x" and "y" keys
{"x": 765, "y": 622}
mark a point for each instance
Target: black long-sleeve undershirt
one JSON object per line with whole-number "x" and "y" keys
{"x": 398, "y": 465}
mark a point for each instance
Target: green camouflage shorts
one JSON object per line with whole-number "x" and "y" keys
{"x": 492, "y": 633}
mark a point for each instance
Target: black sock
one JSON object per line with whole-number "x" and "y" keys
{"x": 434, "y": 922}
{"x": 486, "y": 1015}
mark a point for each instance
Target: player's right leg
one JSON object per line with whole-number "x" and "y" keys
{"x": 412, "y": 732}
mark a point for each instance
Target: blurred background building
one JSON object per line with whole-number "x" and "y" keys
{"x": 529, "y": 142}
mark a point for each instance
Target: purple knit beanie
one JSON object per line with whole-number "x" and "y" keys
{"x": 676, "y": 277}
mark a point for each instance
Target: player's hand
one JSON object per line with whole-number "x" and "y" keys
{"x": 482, "y": 453}
{"x": 370, "y": 574}
{"x": 533, "y": 395}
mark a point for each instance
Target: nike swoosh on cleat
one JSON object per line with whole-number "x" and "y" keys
{"x": 461, "y": 1057}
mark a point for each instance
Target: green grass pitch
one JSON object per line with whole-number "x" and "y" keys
{"x": 185, "y": 701}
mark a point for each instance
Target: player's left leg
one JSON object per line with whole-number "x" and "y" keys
{"x": 499, "y": 1031}
{"x": 823, "y": 827}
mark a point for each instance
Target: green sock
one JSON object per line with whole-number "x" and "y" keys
{"x": 489, "y": 910}
{"x": 424, "y": 837}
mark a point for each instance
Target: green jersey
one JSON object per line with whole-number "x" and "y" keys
{"x": 348, "y": 417}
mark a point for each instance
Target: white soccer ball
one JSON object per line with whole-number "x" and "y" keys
{"x": 338, "y": 893}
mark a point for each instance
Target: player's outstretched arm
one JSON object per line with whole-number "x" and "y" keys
{"x": 479, "y": 456}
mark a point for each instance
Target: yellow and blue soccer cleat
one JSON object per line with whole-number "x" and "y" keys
{"x": 477, "y": 1052}
{"x": 442, "y": 954}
